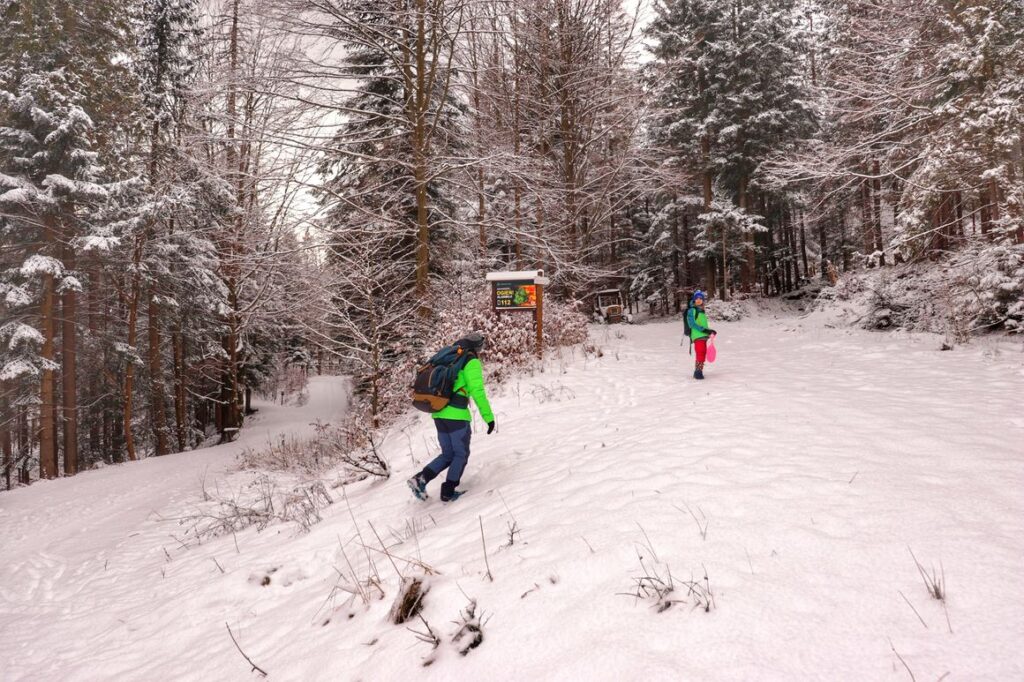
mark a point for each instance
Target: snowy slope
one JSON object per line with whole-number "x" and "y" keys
{"x": 812, "y": 459}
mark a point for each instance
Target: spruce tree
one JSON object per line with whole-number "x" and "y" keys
{"x": 730, "y": 91}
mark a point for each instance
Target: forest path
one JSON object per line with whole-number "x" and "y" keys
{"x": 72, "y": 550}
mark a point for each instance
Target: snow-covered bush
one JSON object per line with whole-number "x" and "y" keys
{"x": 988, "y": 288}
{"x": 260, "y": 503}
{"x": 351, "y": 445}
{"x": 564, "y": 325}
{"x": 977, "y": 289}
{"x": 727, "y": 311}
{"x": 470, "y": 633}
{"x": 511, "y": 341}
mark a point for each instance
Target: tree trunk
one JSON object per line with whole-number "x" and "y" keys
{"x": 24, "y": 444}
{"x": 47, "y": 426}
{"x": 180, "y": 405}
{"x": 128, "y": 391}
{"x": 422, "y": 230}
{"x": 993, "y": 191}
{"x": 69, "y": 368}
{"x": 750, "y": 260}
{"x": 95, "y": 378}
{"x": 156, "y": 380}
{"x": 844, "y": 248}
{"x": 803, "y": 243}
{"x": 938, "y": 241}
{"x": 705, "y": 150}
{"x": 481, "y": 210}
{"x": 676, "y": 303}
{"x": 725, "y": 265}
{"x": 1013, "y": 208}
{"x": 6, "y": 420}
{"x": 420, "y": 102}
{"x": 824, "y": 249}
{"x": 687, "y": 274}
{"x": 47, "y": 404}
{"x": 959, "y": 200}
{"x": 876, "y": 185}
{"x": 867, "y": 231}
{"x": 789, "y": 261}
{"x": 791, "y": 233}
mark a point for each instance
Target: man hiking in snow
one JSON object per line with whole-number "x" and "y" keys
{"x": 697, "y": 326}
{"x": 453, "y": 423}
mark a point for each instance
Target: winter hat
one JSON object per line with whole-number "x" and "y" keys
{"x": 698, "y": 294}
{"x": 474, "y": 341}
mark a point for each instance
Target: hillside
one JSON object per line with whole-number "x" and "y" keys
{"x": 792, "y": 485}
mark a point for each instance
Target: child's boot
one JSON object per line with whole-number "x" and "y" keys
{"x": 698, "y": 373}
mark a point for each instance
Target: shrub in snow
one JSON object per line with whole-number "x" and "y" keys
{"x": 285, "y": 378}
{"x": 651, "y": 586}
{"x": 260, "y": 503}
{"x": 469, "y": 634}
{"x": 564, "y": 325}
{"x": 935, "y": 583}
{"x": 988, "y": 286}
{"x": 727, "y": 311}
{"x": 356, "y": 449}
{"x": 655, "y": 583}
{"x": 510, "y": 343}
{"x": 977, "y": 289}
{"x": 409, "y": 602}
{"x": 557, "y": 393}
{"x": 351, "y": 445}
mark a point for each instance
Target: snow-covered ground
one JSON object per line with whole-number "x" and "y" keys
{"x": 799, "y": 476}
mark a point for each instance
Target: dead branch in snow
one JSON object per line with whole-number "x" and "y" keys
{"x": 255, "y": 668}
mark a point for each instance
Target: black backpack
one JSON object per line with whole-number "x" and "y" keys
{"x": 435, "y": 380}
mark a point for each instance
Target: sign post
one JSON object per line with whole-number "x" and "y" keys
{"x": 519, "y": 291}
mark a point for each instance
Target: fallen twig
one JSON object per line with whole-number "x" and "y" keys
{"x": 483, "y": 541}
{"x": 909, "y": 671}
{"x": 913, "y": 609}
{"x": 255, "y": 668}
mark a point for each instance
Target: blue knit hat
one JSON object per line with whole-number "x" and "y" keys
{"x": 698, "y": 294}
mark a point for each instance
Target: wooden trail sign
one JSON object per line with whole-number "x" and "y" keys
{"x": 519, "y": 291}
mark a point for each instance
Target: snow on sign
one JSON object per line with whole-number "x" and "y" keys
{"x": 515, "y": 295}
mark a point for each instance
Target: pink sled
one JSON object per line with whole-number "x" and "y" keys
{"x": 712, "y": 353}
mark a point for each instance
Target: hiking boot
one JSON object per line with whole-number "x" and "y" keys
{"x": 448, "y": 491}
{"x": 418, "y": 485}
{"x": 698, "y": 374}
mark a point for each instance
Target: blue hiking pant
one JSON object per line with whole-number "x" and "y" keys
{"x": 453, "y": 435}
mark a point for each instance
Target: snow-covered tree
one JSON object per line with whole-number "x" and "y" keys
{"x": 730, "y": 88}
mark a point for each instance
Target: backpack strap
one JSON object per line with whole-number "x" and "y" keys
{"x": 460, "y": 400}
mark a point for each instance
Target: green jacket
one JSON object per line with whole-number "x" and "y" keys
{"x": 470, "y": 383}
{"x": 698, "y": 321}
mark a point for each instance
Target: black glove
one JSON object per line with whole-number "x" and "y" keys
{"x": 711, "y": 332}
{"x": 490, "y": 427}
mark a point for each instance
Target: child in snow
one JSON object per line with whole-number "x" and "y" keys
{"x": 697, "y": 321}
{"x": 453, "y": 425}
